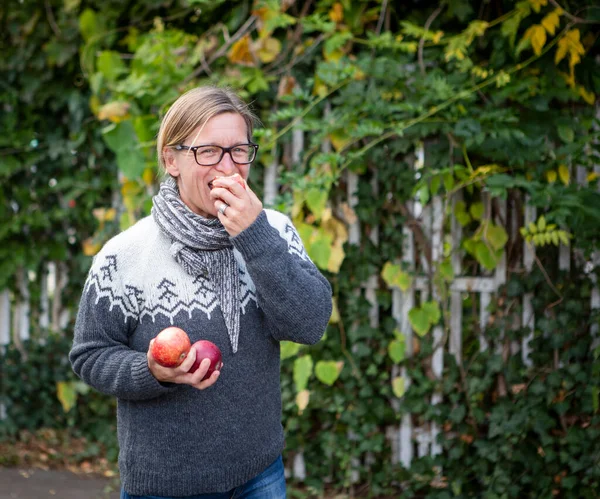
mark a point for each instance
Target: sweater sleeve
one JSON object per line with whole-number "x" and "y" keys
{"x": 100, "y": 354}
{"x": 294, "y": 295}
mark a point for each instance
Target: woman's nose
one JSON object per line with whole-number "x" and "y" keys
{"x": 227, "y": 165}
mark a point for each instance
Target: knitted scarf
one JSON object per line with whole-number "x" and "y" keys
{"x": 203, "y": 247}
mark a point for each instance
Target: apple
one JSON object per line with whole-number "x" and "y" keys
{"x": 170, "y": 346}
{"x": 236, "y": 176}
{"x": 207, "y": 350}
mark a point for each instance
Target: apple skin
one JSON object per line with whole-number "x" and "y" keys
{"x": 236, "y": 176}
{"x": 207, "y": 350}
{"x": 170, "y": 346}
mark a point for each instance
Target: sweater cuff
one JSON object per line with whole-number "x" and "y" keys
{"x": 144, "y": 379}
{"x": 257, "y": 239}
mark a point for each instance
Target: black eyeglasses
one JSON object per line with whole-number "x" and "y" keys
{"x": 209, "y": 155}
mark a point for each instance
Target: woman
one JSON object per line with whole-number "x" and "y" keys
{"x": 213, "y": 262}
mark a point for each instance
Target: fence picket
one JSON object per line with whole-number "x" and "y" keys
{"x": 528, "y": 317}
{"x": 456, "y": 301}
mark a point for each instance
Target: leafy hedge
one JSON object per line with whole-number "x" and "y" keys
{"x": 499, "y": 95}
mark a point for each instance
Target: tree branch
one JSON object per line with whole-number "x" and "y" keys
{"x": 428, "y": 23}
{"x": 51, "y": 19}
{"x": 231, "y": 40}
{"x": 293, "y": 40}
{"x": 573, "y": 18}
{"x": 416, "y": 229}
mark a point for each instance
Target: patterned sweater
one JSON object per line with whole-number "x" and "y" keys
{"x": 175, "y": 440}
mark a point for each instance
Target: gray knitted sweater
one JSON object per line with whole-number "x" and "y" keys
{"x": 176, "y": 440}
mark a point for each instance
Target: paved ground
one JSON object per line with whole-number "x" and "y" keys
{"x": 39, "y": 484}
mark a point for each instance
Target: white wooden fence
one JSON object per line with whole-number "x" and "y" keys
{"x": 407, "y": 440}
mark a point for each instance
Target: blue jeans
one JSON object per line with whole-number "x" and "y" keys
{"x": 270, "y": 484}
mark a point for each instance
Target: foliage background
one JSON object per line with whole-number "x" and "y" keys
{"x": 502, "y": 97}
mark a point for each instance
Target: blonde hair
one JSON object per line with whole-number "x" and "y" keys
{"x": 193, "y": 109}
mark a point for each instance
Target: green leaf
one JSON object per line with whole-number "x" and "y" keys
{"x": 288, "y": 349}
{"x": 399, "y": 386}
{"x": 476, "y": 210}
{"x": 316, "y": 200}
{"x": 67, "y": 394}
{"x": 496, "y": 235}
{"x": 435, "y": 184}
{"x": 328, "y": 371}
{"x": 320, "y": 250}
{"x": 564, "y": 237}
{"x": 423, "y": 194}
{"x": 122, "y": 140}
{"x": 541, "y": 224}
{"x": 394, "y": 276}
{"x": 302, "y": 370}
{"x": 446, "y": 271}
{"x": 432, "y": 309}
{"x": 111, "y": 66}
{"x": 91, "y": 25}
{"x": 566, "y": 133}
{"x": 485, "y": 256}
{"x": 397, "y": 349}
{"x": 419, "y": 320}
{"x": 337, "y": 41}
{"x": 448, "y": 181}
{"x": 460, "y": 212}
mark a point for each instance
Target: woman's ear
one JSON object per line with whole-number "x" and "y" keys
{"x": 170, "y": 160}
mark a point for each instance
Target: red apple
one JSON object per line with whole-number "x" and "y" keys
{"x": 170, "y": 346}
{"x": 207, "y": 350}
{"x": 236, "y": 176}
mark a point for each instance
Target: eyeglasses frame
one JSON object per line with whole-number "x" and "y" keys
{"x": 224, "y": 150}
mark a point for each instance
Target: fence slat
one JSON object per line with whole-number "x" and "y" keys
{"x": 528, "y": 318}
{"x": 455, "y": 344}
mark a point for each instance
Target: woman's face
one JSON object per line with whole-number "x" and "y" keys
{"x": 193, "y": 180}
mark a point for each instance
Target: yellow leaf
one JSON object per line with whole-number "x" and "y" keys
{"x": 336, "y": 14}
{"x": 110, "y": 214}
{"x": 561, "y": 50}
{"x": 104, "y": 214}
{"x": 339, "y": 139}
{"x": 335, "y": 312}
{"x": 286, "y": 86}
{"x": 333, "y": 56}
{"x": 551, "y": 176}
{"x": 537, "y": 35}
{"x": 298, "y": 203}
{"x": 241, "y": 52}
{"x": 593, "y": 176}
{"x": 437, "y": 37}
{"x": 320, "y": 88}
{"x": 269, "y": 49}
{"x": 538, "y": 4}
{"x": 349, "y": 214}
{"x": 398, "y": 386}
{"x": 114, "y": 111}
{"x": 358, "y": 74}
{"x": 302, "y": 399}
{"x": 551, "y": 22}
{"x": 148, "y": 176}
{"x": 336, "y": 257}
{"x": 564, "y": 174}
{"x": 90, "y": 248}
{"x": 589, "y": 97}
{"x": 129, "y": 188}
{"x": 66, "y": 394}
{"x": 95, "y": 104}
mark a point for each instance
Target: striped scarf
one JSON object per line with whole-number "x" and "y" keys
{"x": 203, "y": 247}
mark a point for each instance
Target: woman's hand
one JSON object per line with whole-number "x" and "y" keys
{"x": 243, "y": 206}
{"x": 180, "y": 374}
